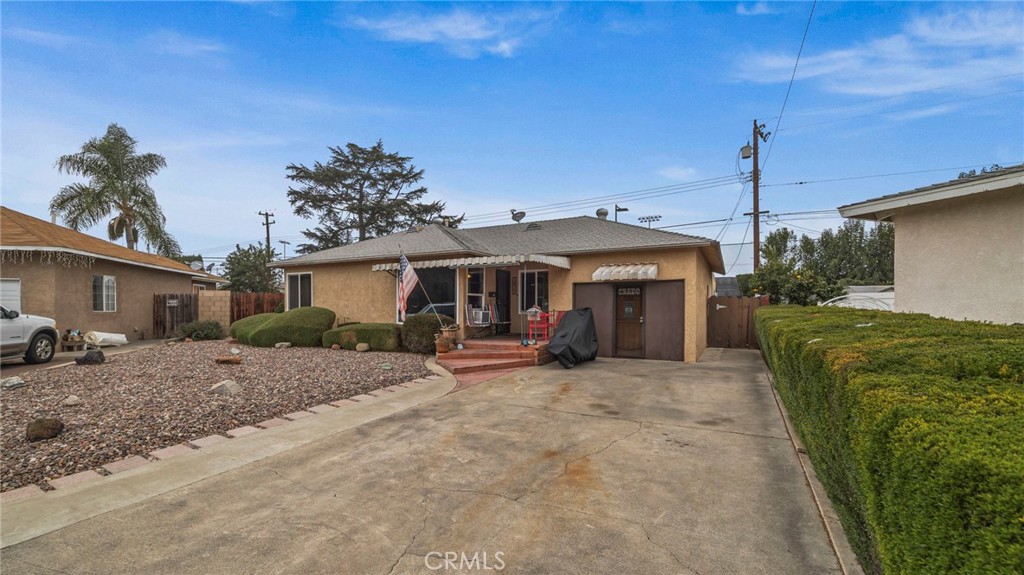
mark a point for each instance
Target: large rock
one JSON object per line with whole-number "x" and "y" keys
{"x": 12, "y": 383}
{"x": 362, "y": 347}
{"x": 335, "y": 347}
{"x": 43, "y": 428}
{"x": 283, "y": 344}
{"x": 229, "y": 359}
{"x": 226, "y": 387}
{"x": 93, "y": 357}
{"x": 72, "y": 400}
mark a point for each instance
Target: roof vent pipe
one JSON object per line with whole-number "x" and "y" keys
{"x": 602, "y": 214}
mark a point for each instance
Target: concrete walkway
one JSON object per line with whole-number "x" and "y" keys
{"x": 612, "y": 467}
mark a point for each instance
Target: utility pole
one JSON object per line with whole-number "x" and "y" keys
{"x": 759, "y": 135}
{"x": 267, "y": 223}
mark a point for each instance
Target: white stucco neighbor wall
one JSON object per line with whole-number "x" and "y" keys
{"x": 963, "y": 258}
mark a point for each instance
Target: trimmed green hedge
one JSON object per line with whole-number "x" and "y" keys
{"x": 303, "y": 327}
{"x": 418, "y": 331}
{"x": 242, "y": 329}
{"x": 380, "y": 336}
{"x": 915, "y": 426}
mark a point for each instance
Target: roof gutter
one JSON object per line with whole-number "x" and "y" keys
{"x": 882, "y": 209}
{"x": 188, "y": 272}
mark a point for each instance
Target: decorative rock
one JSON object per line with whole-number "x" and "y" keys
{"x": 72, "y": 400}
{"x": 43, "y": 428}
{"x": 93, "y": 357}
{"x": 12, "y": 383}
{"x": 283, "y": 344}
{"x": 229, "y": 359}
{"x": 362, "y": 347}
{"x": 235, "y": 351}
{"x": 335, "y": 347}
{"x": 188, "y": 340}
{"x": 386, "y": 366}
{"x": 226, "y": 387}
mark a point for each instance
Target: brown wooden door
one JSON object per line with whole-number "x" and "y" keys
{"x": 629, "y": 321}
{"x": 731, "y": 321}
{"x": 664, "y": 326}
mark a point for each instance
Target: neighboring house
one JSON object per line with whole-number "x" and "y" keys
{"x": 648, "y": 288}
{"x": 727, "y": 286}
{"x": 84, "y": 282}
{"x": 959, "y": 246}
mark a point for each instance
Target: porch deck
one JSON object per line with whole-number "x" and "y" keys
{"x": 494, "y": 353}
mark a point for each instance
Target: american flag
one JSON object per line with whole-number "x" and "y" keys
{"x": 407, "y": 281}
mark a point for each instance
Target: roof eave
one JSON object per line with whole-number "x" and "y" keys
{"x": 97, "y": 256}
{"x": 882, "y": 209}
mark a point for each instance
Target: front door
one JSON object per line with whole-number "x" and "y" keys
{"x": 629, "y": 321}
{"x": 503, "y": 300}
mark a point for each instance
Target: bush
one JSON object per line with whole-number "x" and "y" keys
{"x": 915, "y": 426}
{"x": 200, "y": 330}
{"x": 418, "y": 331}
{"x": 243, "y": 328}
{"x": 303, "y": 327}
{"x": 380, "y": 336}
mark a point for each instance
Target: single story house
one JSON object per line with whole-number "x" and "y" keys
{"x": 83, "y": 282}
{"x": 959, "y": 245}
{"x": 648, "y": 288}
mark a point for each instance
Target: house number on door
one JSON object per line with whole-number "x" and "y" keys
{"x": 629, "y": 291}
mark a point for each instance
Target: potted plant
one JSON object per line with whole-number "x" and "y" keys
{"x": 441, "y": 343}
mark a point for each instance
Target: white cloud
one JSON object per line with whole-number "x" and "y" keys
{"x": 41, "y": 37}
{"x": 680, "y": 173}
{"x": 966, "y": 45}
{"x": 177, "y": 44}
{"x": 461, "y": 32}
{"x": 756, "y": 9}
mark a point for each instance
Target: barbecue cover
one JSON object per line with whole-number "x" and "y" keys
{"x": 575, "y": 338}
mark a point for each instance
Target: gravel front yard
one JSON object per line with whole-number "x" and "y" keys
{"x": 157, "y": 397}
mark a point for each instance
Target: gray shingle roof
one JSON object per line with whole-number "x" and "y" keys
{"x": 941, "y": 185}
{"x": 568, "y": 236}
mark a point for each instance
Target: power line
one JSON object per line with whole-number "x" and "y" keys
{"x": 789, "y": 88}
{"x": 742, "y": 242}
{"x": 848, "y": 178}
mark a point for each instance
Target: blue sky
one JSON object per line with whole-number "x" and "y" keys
{"x": 517, "y": 105}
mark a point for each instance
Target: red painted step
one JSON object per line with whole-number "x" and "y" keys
{"x": 487, "y": 354}
{"x": 458, "y": 366}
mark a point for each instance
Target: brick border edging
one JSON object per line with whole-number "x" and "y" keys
{"x": 135, "y": 461}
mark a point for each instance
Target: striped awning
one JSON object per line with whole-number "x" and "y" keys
{"x": 482, "y": 261}
{"x": 626, "y": 272}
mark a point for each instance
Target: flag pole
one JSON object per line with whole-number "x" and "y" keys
{"x": 425, "y": 294}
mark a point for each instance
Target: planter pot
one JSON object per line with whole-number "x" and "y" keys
{"x": 441, "y": 346}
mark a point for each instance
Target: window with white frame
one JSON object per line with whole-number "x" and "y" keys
{"x": 300, "y": 290}
{"x": 533, "y": 290}
{"x": 475, "y": 287}
{"x": 104, "y": 293}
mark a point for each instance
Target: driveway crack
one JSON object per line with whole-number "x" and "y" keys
{"x": 426, "y": 516}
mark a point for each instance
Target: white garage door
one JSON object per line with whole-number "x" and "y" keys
{"x": 10, "y": 294}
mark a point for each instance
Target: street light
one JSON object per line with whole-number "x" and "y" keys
{"x": 617, "y": 210}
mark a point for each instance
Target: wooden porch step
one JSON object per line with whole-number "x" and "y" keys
{"x": 488, "y": 353}
{"x": 500, "y": 343}
{"x": 458, "y": 366}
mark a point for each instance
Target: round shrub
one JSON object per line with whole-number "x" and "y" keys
{"x": 418, "y": 331}
{"x": 244, "y": 328}
{"x": 302, "y": 326}
{"x": 202, "y": 330}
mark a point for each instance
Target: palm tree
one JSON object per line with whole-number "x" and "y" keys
{"x": 117, "y": 185}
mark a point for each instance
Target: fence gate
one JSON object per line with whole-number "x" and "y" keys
{"x": 171, "y": 311}
{"x": 731, "y": 321}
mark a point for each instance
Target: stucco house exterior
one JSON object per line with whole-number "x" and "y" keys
{"x": 648, "y": 288}
{"x": 959, "y": 246}
{"x": 84, "y": 282}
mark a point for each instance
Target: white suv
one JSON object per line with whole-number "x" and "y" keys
{"x": 31, "y": 336}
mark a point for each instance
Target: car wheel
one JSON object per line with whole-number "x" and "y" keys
{"x": 41, "y": 349}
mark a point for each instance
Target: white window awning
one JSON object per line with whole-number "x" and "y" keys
{"x": 626, "y": 272}
{"x": 482, "y": 261}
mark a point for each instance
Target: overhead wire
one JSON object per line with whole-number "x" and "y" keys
{"x": 739, "y": 252}
{"x": 789, "y": 88}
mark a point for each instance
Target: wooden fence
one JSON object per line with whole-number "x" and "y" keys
{"x": 731, "y": 321}
{"x": 171, "y": 311}
{"x": 244, "y": 305}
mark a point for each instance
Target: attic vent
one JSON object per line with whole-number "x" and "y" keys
{"x": 532, "y": 226}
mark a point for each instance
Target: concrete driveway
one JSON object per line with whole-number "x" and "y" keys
{"x": 612, "y": 467}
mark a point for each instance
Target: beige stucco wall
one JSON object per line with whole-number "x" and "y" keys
{"x": 355, "y": 293}
{"x": 65, "y": 294}
{"x": 963, "y": 259}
